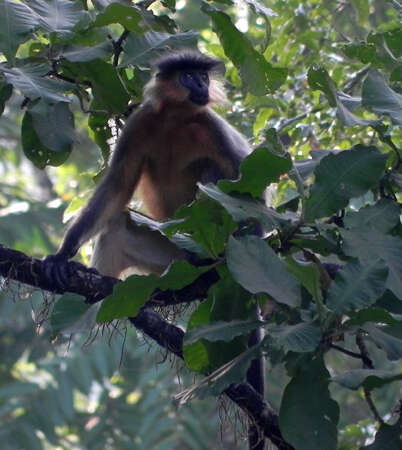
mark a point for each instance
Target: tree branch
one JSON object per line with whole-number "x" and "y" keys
{"x": 20, "y": 267}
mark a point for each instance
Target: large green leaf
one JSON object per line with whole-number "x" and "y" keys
{"x": 227, "y": 301}
{"x": 221, "y": 331}
{"x": 83, "y": 54}
{"x": 357, "y": 285}
{"x": 58, "y": 16}
{"x": 378, "y": 96}
{"x": 390, "y": 344}
{"x": 31, "y": 81}
{"x": 140, "y": 50}
{"x": 258, "y": 269}
{"x": 308, "y": 416}
{"x": 300, "y": 338}
{"x": 215, "y": 383}
{"x": 35, "y": 149}
{"x": 17, "y": 21}
{"x": 383, "y": 216}
{"x": 245, "y": 208}
{"x": 308, "y": 275}
{"x": 319, "y": 79}
{"x": 208, "y": 224}
{"x": 340, "y": 177}
{"x": 128, "y": 16}
{"x": 130, "y": 296}
{"x": 388, "y": 437}
{"x": 54, "y": 125}
{"x": 258, "y": 75}
{"x": 371, "y": 245}
{"x": 68, "y": 309}
{"x": 258, "y": 170}
{"x": 368, "y": 378}
{"x": 107, "y": 87}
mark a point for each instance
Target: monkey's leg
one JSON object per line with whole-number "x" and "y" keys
{"x": 123, "y": 245}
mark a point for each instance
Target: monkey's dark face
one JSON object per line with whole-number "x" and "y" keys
{"x": 197, "y": 83}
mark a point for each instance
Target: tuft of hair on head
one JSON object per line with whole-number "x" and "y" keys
{"x": 175, "y": 61}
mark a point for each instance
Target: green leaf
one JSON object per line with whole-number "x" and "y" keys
{"x": 364, "y": 51}
{"x": 383, "y": 216}
{"x": 257, "y": 74}
{"x": 18, "y": 388}
{"x": 380, "y": 98}
{"x": 357, "y": 286}
{"x": 128, "y": 16}
{"x": 348, "y": 118}
{"x": 300, "y": 338}
{"x": 340, "y": 177}
{"x": 319, "y": 79}
{"x": 244, "y": 208}
{"x": 107, "y": 87}
{"x": 227, "y": 301}
{"x": 140, "y": 50}
{"x": 308, "y": 274}
{"x": 308, "y": 416}
{"x": 374, "y": 314}
{"x": 258, "y": 269}
{"x": 131, "y": 295}
{"x": 68, "y": 309}
{"x": 221, "y": 331}
{"x": 368, "y": 378}
{"x": 30, "y": 80}
{"x": 35, "y": 150}
{"x": 84, "y": 54}
{"x": 58, "y": 16}
{"x": 258, "y": 170}
{"x": 215, "y": 383}
{"x": 208, "y": 224}
{"x": 388, "y": 437}
{"x": 391, "y": 345}
{"x": 54, "y": 125}
{"x": 17, "y": 22}
{"x": 371, "y": 245}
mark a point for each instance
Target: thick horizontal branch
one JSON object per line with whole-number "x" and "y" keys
{"x": 91, "y": 285}
{"x": 17, "y": 266}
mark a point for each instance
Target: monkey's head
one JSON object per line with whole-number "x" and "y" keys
{"x": 186, "y": 77}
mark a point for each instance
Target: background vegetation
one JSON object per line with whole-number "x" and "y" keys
{"x": 316, "y": 87}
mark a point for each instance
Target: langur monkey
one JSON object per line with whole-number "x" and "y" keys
{"x": 172, "y": 141}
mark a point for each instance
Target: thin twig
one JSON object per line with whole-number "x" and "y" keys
{"x": 347, "y": 352}
{"x": 367, "y": 364}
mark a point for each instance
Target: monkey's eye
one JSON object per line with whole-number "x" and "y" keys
{"x": 204, "y": 77}
{"x": 187, "y": 76}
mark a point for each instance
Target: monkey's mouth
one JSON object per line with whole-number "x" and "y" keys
{"x": 200, "y": 100}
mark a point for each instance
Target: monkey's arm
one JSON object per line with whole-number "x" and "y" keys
{"x": 114, "y": 191}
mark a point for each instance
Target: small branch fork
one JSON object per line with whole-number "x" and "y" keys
{"x": 367, "y": 364}
{"x": 17, "y": 266}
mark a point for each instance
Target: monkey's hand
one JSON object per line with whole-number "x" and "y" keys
{"x": 59, "y": 269}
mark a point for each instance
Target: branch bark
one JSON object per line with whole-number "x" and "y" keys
{"x": 17, "y": 266}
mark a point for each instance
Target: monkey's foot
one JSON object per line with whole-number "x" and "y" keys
{"x": 59, "y": 270}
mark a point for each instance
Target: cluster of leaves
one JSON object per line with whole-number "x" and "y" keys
{"x": 329, "y": 267}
